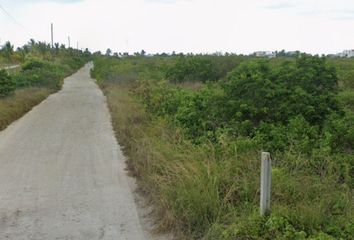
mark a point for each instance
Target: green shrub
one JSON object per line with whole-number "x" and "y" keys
{"x": 7, "y": 85}
{"x": 191, "y": 68}
{"x": 199, "y": 114}
{"x": 34, "y": 64}
{"x": 41, "y": 66}
{"x": 259, "y": 93}
{"x": 38, "y": 73}
{"x": 341, "y": 132}
{"x": 197, "y": 151}
{"x": 298, "y": 136}
{"x": 346, "y": 99}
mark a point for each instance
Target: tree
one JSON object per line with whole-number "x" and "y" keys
{"x": 8, "y": 50}
{"x": 43, "y": 48}
{"x": 31, "y": 42}
{"x": 108, "y": 52}
{"x": 282, "y": 53}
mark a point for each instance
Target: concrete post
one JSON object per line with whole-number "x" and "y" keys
{"x": 266, "y": 173}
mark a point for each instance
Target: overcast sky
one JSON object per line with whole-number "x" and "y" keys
{"x": 241, "y": 26}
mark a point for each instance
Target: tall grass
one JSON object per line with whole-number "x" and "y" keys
{"x": 23, "y": 100}
{"x": 211, "y": 191}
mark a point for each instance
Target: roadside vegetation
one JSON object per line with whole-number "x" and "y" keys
{"x": 41, "y": 72}
{"x": 193, "y": 128}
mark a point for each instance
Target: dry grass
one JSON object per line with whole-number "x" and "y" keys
{"x": 23, "y": 100}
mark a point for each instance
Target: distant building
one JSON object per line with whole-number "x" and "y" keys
{"x": 349, "y": 53}
{"x": 346, "y": 54}
{"x": 268, "y": 54}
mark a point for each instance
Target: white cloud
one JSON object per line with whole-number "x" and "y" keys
{"x": 186, "y": 25}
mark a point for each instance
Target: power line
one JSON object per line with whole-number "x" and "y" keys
{"x": 11, "y": 17}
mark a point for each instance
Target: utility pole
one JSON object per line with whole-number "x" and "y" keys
{"x": 69, "y": 41}
{"x": 77, "y": 45}
{"x": 51, "y": 28}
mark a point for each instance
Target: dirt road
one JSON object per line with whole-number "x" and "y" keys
{"x": 62, "y": 173}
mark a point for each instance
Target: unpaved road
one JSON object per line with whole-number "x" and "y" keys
{"x": 62, "y": 173}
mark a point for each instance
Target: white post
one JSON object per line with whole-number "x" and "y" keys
{"x": 265, "y": 183}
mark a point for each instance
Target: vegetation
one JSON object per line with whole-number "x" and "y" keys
{"x": 7, "y": 85}
{"x": 22, "y": 100}
{"x": 196, "y": 151}
{"x": 41, "y": 72}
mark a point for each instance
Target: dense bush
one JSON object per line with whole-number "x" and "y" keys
{"x": 278, "y": 104}
{"x": 34, "y": 64}
{"x": 191, "y": 68}
{"x": 40, "y": 73}
{"x": 129, "y": 69}
{"x": 201, "y": 68}
{"x": 345, "y": 71}
{"x": 197, "y": 150}
{"x": 7, "y": 85}
{"x": 255, "y": 98}
{"x": 341, "y": 132}
{"x": 41, "y": 65}
{"x": 258, "y": 93}
{"x": 74, "y": 62}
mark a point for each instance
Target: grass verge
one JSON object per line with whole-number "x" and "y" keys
{"x": 22, "y": 101}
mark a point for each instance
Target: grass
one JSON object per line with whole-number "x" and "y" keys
{"x": 212, "y": 191}
{"x": 22, "y": 101}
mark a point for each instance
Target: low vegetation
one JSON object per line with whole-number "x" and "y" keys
{"x": 41, "y": 72}
{"x": 20, "y": 102}
{"x": 196, "y": 151}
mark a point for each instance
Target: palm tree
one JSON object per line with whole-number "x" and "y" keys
{"x": 8, "y": 50}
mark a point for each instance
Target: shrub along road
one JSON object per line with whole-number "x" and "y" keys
{"x": 62, "y": 173}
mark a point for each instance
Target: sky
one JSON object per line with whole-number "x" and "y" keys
{"x": 198, "y": 26}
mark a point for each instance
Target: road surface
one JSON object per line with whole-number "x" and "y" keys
{"x": 62, "y": 173}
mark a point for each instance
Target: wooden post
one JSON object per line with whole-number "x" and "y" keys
{"x": 265, "y": 183}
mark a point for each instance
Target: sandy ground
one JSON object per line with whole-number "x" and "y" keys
{"x": 62, "y": 172}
